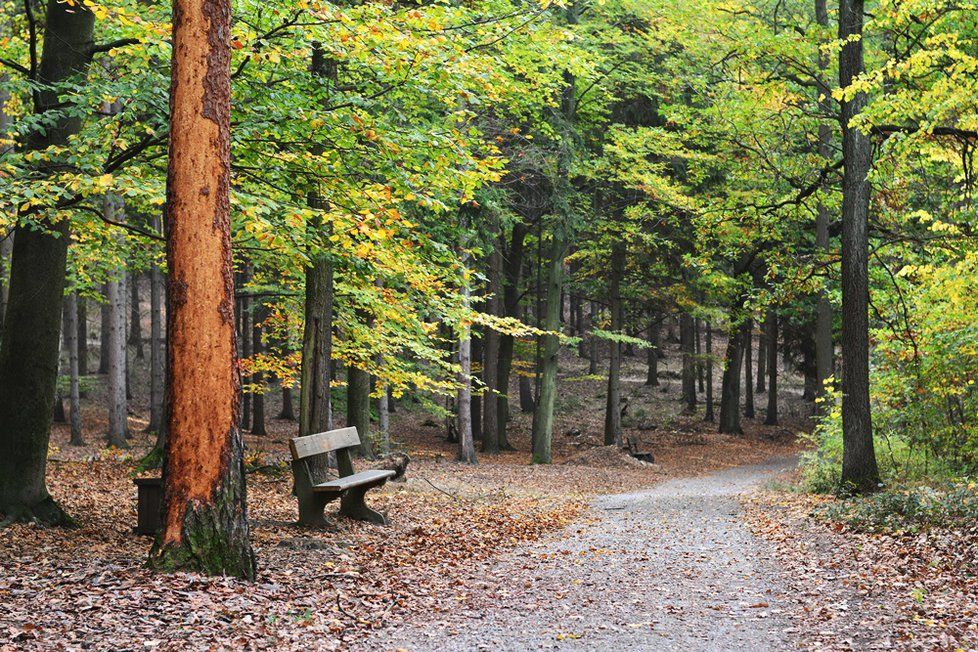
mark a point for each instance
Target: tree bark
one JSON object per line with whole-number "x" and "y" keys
{"x": 105, "y": 325}
{"x": 204, "y": 515}
{"x": 771, "y": 340}
{"x": 748, "y": 369}
{"x": 699, "y": 355}
{"x": 652, "y": 360}
{"x": 358, "y": 407}
{"x": 490, "y": 359}
{"x": 687, "y": 346}
{"x": 463, "y": 400}
{"x": 592, "y": 367}
{"x": 612, "y": 413}
{"x": 543, "y": 416}
{"x": 82, "y": 336}
{"x": 258, "y": 347}
{"x": 32, "y": 324}
{"x": 709, "y": 373}
{"x": 859, "y": 469}
{"x": 135, "y": 319}
{"x": 512, "y": 271}
{"x": 157, "y": 371}
{"x": 730, "y": 388}
{"x": 824, "y": 347}
{"x": 762, "y": 347}
{"x": 116, "y": 290}
{"x": 288, "y": 411}
{"x": 244, "y": 338}
{"x": 71, "y": 335}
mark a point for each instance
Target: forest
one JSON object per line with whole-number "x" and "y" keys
{"x": 488, "y": 324}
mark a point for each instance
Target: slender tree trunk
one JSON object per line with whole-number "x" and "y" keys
{"x": 476, "y": 355}
{"x": 6, "y": 243}
{"x": 612, "y": 413}
{"x": 748, "y": 369}
{"x": 71, "y": 335}
{"x": 687, "y": 345}
{"x": 592, "y": 368}
{"x": 118, "y": 406}
{"x": 771, "y": 337}
{"x": 709, "y": 373}
{"x": 245, "y": 320}
{"x": 157, "y": 369}
{"x": 859, "y": 469}
{"x": 104, "y": 328}
{"x": 512, "y": 268}
{"x": 491, "y": 359}
{"x": 543, "y": 416}
{"x": 584, "y": 323}
{"x": 82, "y": 336}
{"x": 652, "y": 379}
{"x": 762, "y": 347}
{"x": 730, "y": 389}
{"x": 463, "y": 400}
{"x": 135, "y": 320}
{"x": 383, "y": 417}
{"x": 204, "y": 515}
{"x": 699, "y": 354}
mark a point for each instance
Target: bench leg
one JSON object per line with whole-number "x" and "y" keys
{"x": 353, "y": 505}
{"x": 311, "y": 506}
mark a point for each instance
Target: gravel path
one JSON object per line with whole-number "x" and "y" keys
{"x": 670, "y": 568}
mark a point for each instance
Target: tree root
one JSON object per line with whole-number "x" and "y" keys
{"x": 46, "y": 513}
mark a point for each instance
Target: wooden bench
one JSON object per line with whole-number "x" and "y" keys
{"x": 315, "y": 489}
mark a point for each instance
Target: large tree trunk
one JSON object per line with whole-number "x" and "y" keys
{"x": 118, "y": 406}
{"x": 358, "y": 407}
{"x": 71, "y": 337}
{"x": 512, "y": 270}
{"x": 288, "y": 410}
{"x": 824, "y": 347}
{"x": 859, "y": 469}
{"x": 32, "y": 324}
{"x": 748, "y": 369}
{"x": 204, "y": 515}
{"x": 490, "y": 358}
{"x": 157, "y": 369}
{"x": 317, "y": 342}
{"x": 543, "y": 416}
{"x": 687, "y": 345}
{"x": 771, "y": 337}
{"x": 730, "y": 388}
{"x": 612, "y": 413}
{"x": 709, "y": 373}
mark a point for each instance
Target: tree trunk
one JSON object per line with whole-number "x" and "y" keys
{"x": 592, "y": 367}
{"x": 244, "y": 322}
{"x": 859, "y": 470}
{"x": 204, "y": 515}
{"x": 687, "y": 346}
{"x": 118, "y": 406}
{"x": 490, "y": 358}
{"x": 512, "y": 269}
{"x": 71, "y": 335}
{"x": 730, "y": 389}
{"x": 612, "y": 413}
{"x": 475, "y": 360}
{"x": 135, "y": 320}
{"x": 652, "y": 379}
{"x": 358, "y": 407}
{"x": 762, "y": 347}
{"x": 157, "y": 369}
{"x": 771, "y": 337}
{"x": 543, "y": 416}
{"x": 748, "y": 369}
{"x": 384, "y": 418}
{"x": 709, "y": 373}
{"x": 288, "y": 411}
{"x": 463, "y": 400}
{"x": 699, "y": 354}
{"x": 6, "y": 242}
{"x": 82, "y": 336}
{"x": 104, "y": 328}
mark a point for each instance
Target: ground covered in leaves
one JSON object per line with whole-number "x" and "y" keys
{"x": 859, "y": 590}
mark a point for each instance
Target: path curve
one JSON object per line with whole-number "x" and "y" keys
{"x": 669, "y": 568}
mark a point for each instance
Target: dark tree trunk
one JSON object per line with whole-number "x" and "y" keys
{"x": 490, "y": 358}
{"x": 135, "y": 321}
{"x": 82, "y": 336}
{"x": 288, "y": 411}
{"x": 687, "y": 346}
{"x": 258, "y": 379}
{"x": 709, "y": 372}
{"x": 652, "y": 379}
{"x": 748, "y": 369}
{"x": 477, "y": 354}
{"x": 762, "y": 348}
{"x": 543, "y": 416}
{"x": 204, "y": 515}
{"x": 358, "y": 407}
{"x": 771, "y": 337}
{"x": 612, "y": 413}
{"x": 699, "y": 355}
{"x": 859, "y": 470}
{"x": 730, "y": 389}
{"x": 512, "y": 269}
{"x": 71, "y": 337}
{"x": 29, "y": 346}
{"x": 592, "y": 368}
{"x": 104, "y": 327}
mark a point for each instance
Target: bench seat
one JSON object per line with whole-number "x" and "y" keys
{"x": 356, "y": 480}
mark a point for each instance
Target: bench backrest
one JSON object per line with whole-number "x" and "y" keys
{"x": 323, "y": 442}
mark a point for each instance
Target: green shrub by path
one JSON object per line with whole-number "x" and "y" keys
{"x": 909, "y": 509}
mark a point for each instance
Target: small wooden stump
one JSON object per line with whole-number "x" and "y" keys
{"x": 150, "y": 492}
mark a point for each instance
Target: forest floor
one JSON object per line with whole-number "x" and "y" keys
{"x": 350, "y": 585}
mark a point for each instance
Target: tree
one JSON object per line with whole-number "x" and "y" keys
{"x": 859, "y": 469}
{"x": 204, "y": 514}
{"x": 30, "y": 342}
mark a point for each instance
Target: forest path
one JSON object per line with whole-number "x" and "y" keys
{"x": 668, "y": 568}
